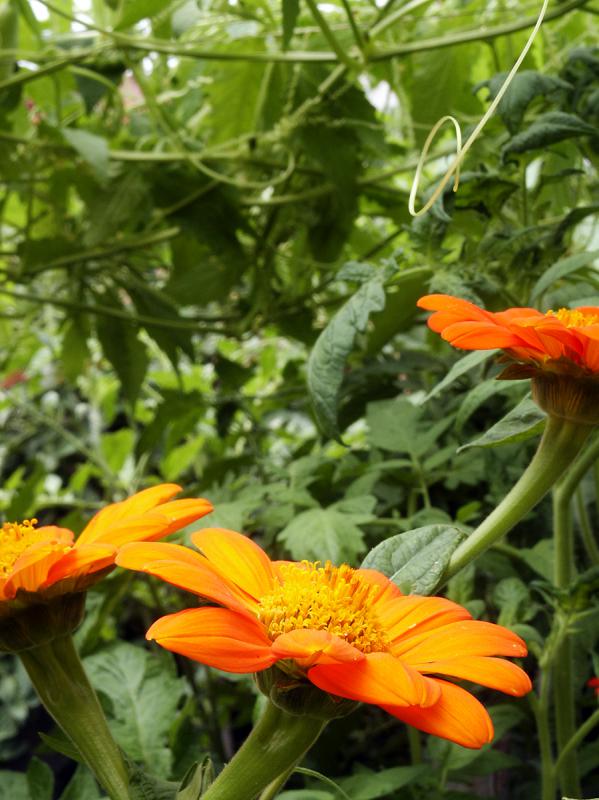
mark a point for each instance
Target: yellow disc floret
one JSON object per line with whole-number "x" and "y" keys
{"x": 333, "y": 599}
{"x": 15, "y": 538}
{"x": 574, "y": 318}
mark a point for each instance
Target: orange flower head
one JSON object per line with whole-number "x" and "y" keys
{"x": 594, "y": 684}
{"x": 559, "y": 350}
{"x": 348, "y": 632}
{"x": 40, "y": 564}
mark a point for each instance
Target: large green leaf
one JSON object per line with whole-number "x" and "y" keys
{"x": 125, "y": 352}
{"x": 562, "y": 268}
{"x": 525, "y": 86}
{"x": 142, "y": 693}
{"x": 328, "y": 357}
{"x": 549, "y": 128}
{"x": 461, "y": 367}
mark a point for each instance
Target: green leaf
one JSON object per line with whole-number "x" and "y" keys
{"x": 143, "y": 693}
{"x": 461, "y": 367}
{"x": 290, "y": 14}
{"x": 525, "y": 86}
{"x": 196, "y": 781}
{"x": 82, "y": 786}
{"x": 521, "y": 423}
{"x": 93, "y": 149}
{"x": 116, "y": 447}
{"x": 40, "y": 780}
{"x": 370, "y": 785}
{"x": 125, "y": 352}
{"x": 415, "y": 560}
{"x": 478, "y": 395}
{"x": 397, "y": 426}
{"x": 327, "y": 359}
{"x": 561, "y": 268}
{"x": 321, "y": 534}
{"x": 152, "y": 303}
{"x": 133, "y": 11}
{"x": 13, "y": 785}
{"x": 549, "y": 128}
{"x": 75, "y": 352}
{"x": 400, "y": 307}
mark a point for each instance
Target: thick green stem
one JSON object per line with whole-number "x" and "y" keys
{"x": 561, "y": 443}
{"x": 540, "y": 711}
{"x": 576, "y": 739}
{"x": 62, "y": 685}
{"x": 275, "y": 745}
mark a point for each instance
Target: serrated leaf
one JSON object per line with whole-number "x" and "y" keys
{"x": 461, "y": 367}
{"x": 327, "y": 359}
{"x": 396, "y": 426}
{"x": 290, "y": 15}
{"x": 415, "y": 560}
{"x": 561, "y": 268}
{"x": 525, "y": 86}
{"x": 549, "y": 128}
{"x": 142, "y": 692}
{"x": 521, "y": 423}
{"x": 321, "y": 534}
{"x": 125, "y": 352}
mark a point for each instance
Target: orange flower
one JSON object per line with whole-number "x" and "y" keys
{"x": 350, "y": 632}
{"x": 594, "y": 684}
{"x": 558, "y": 349}
{"x": 46, "y": 562}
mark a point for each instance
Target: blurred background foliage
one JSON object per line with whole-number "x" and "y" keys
{"x": 209, "y": 274}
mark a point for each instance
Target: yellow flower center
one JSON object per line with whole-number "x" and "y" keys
{"x": 572, "y": 318}
{"x": 333, "y": 599}
{"x": 15, "y": 538}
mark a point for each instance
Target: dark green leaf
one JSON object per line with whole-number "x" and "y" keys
{"x": 290, "y": 13}
{"x": 549, "y": 128}
{"x": 327, "y": 360}
{"x": 415, "y": 560}
{"x": 82, "y": 786}
{"x": 125, "y": 352}
{"x": 397, "y": 426}
{"x": 525, "y": 86}
{"x": 40, "y": 780}
{"x": 370, "y": 785}
{"x": 566, "y": 266}
{"x": 326, "y": 533}
{"x": 521, "y": 423}
{"x": 461, "y": 367}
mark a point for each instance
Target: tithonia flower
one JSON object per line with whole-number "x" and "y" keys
{"x": 594, "y": 684}
{"x": 349, "y": 632}
{"x": 42, "y": 563}
{"x": 558, "y": 349}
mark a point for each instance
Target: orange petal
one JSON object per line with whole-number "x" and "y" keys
{"x": 237, "y": 557}
{"x": 217, "y": 637}
{"x": 496, "y": 673}
{"x": 81, "y": 560}
{"x": 133, "y": 506}
{"x": 182, "y": 567}
{"x": 183, "y": 512}
{"x": 479, "y": 336}
{"x": 462, "y": 309}
{"x": 30, "y": 570}
{"x": 379, "y": 678}
{"x": 413, "y": 614}
{"x": 389, "y": 591}
{"x": 457, "y": 716}
{"x": 466, "y": 638}
{"x": 309, "y": 647}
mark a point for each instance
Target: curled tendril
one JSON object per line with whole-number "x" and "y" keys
{"x": 454, "y": 167}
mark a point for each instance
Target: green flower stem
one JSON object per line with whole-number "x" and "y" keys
{"x": 559, "y": 446}
{"x": 62, "y": 685}
{"x": 540, "y": 710}
{"x": 275, "y": 745}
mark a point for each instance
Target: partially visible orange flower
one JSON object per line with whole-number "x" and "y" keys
{"x": 42, "y": 563}
{"x": 594, "y": 684}
{"x": 558, "y": 349}
{"x": 349, "y": 632}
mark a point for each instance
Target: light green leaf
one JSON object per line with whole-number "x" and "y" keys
{"x": 563, "y": 267}
{"x": 133, "y": 11}
{"x": 369, "y": 785}
{"x": 415, "y": 560}
{"x": 521, "y": 423}
{"x": 82, "y": 786}
{"x": 327, "y": 359}
{"x": 13, "y": 785}
{"x": 93, "y": 149}
{"x": 116, "y": 447}
{"x": 40, "y": 780}
{"x": 142, "y": 693}
{"x": 397, "y": 426}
